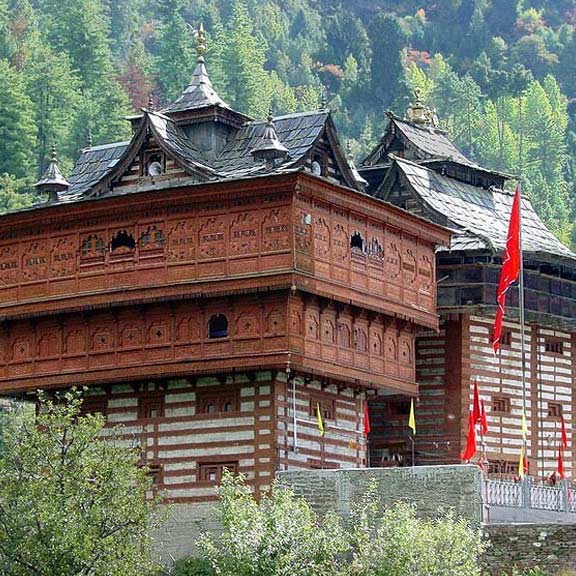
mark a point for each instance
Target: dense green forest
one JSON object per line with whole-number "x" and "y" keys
{"x": 500, "y": 73}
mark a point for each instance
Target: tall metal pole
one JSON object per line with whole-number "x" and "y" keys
{"x": 522, "y": 322}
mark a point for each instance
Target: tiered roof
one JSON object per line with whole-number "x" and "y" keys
{"x": 445, "y": 186}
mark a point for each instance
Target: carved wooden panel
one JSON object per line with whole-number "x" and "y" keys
{"x": 63, "y": 256}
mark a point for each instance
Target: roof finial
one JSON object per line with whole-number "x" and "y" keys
{"x": 201, "y": 43}
{"x": 323, "y": 99}
{"x": 52, "y": 182}
{"x": 90, "y": 138}
{"x": 150, "y": 105}
{"x": 418, "y": 113}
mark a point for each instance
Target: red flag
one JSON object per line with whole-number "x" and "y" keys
{"x": 564, "y": 436}
{"x": 483, "y": 419}
{"x": 366, "y": 419}
{"x": 510, "y": 267}
{"x": 471, "y": 440}
{"x": 476, "y": 411}
{"x": 560, "y": 467}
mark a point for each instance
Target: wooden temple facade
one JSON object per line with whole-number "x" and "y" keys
{"x": 417, "y": 168}
{"x": 211, "y": 282}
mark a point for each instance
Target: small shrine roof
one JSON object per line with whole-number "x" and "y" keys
{"x": 480, "y": 216}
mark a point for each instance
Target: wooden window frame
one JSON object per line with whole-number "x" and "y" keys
{"x": 554, "y": 346}
{"x": 219, "y": 399}
{"x": 146, "y": 405}
{"x": 505, "y": 338}
{"x": 555, "y": 410}
{"x": 496, "y": 403}
{"x": 327, "y": 407}
{"x": 204, "y": 470}
{"x": 94, "y": 405}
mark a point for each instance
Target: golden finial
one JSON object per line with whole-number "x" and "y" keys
{"x": 420, "y": 114}
{"x": 201, "y": 42}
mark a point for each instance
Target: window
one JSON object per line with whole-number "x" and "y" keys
{"x": 554, "y": 346}
{"x": 501, "y": 404}
{"x": 554, "y": 410}
{"x": 218, "y": 326}
{"x": 357, "y": 242}
{"x": 217, "y": 403}
{"x": 94, "y": 405}
{"x": 122, "y": 240}
{"x": 149, "y": 408}
{"x": 327, "y": 407}
{"x": 505, "y": 338}
{"x": 213, "y": 471}
{"x": 155, "y": 472}
{"x": 399, "y": 408}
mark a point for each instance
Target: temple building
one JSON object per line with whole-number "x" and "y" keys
{"x": 214, "y": 282}
{"x": 417, "y": 168}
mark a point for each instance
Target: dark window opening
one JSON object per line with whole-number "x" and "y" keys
{"x": 214, "y": 403}
{"x": 150, "y": 408}
{"x": 218, "y": 326}
{"x": 501, "y": 404}
{"x": 213, "y": 471}
{"x": 327, "y": 408}
{"x": 554, "y": 346}
{"x": 554, "y": 410}
{"x": 357, "y": 242}
{"x": 122, "y": 240}
{"x": 94, "y": 405}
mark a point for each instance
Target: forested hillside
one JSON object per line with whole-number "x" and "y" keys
{"x": 500, "y": 73}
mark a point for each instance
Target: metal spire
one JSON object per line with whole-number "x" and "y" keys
{"x": 200, "y": 92}
{"x": 52, "y": 182}
{"x": 269, "y": 149}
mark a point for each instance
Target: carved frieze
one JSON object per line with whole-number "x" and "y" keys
{"x": 63, "y": 256}
{"x": 276, "y": 230}
{"x": 35, "y": 262}
{"x": 244, "y": 234}
{"x": 9, "y": 265}
{"x": 212, "y": 238}
{"x": 182, "y": 242}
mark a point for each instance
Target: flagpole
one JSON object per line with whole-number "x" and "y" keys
{"x": 522, "y": 322}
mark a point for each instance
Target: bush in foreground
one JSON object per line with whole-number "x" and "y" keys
{"x": 73, "y": 502}
{"x": 282, "y": 536}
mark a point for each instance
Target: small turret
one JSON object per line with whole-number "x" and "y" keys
{"x": 269, "y": 149}
{"x": 52, "y": 182}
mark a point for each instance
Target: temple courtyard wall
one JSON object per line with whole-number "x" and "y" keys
{"x": 550, "y": 543}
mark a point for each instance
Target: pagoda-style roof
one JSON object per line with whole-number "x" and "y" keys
{"x": 100, "y": 166}
{"x": 479, "y": 216}
{"x": 425, "y": 142}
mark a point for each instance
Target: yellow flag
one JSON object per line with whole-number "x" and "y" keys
{"x": 319, "y": 417}
{"x": 412, "y": 420}
{"x": 524, "y": 425}
{"x": 521, "y": 471}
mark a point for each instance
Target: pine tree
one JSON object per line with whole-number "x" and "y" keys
{"x": 176, "y": 60}
{"x": 387, "y": 72}
{"x": 244, "y": 57}
{"x": 17, "y": 129}
{"x": 55, "y": 92}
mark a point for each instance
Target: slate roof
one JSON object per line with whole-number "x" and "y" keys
{"x": 430, "y": 141}
{"x": 92, "y": 165}
{"x": 198, "y": 94}
{"x": 297, "y": 132}
{"x": 479, "y": 216}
